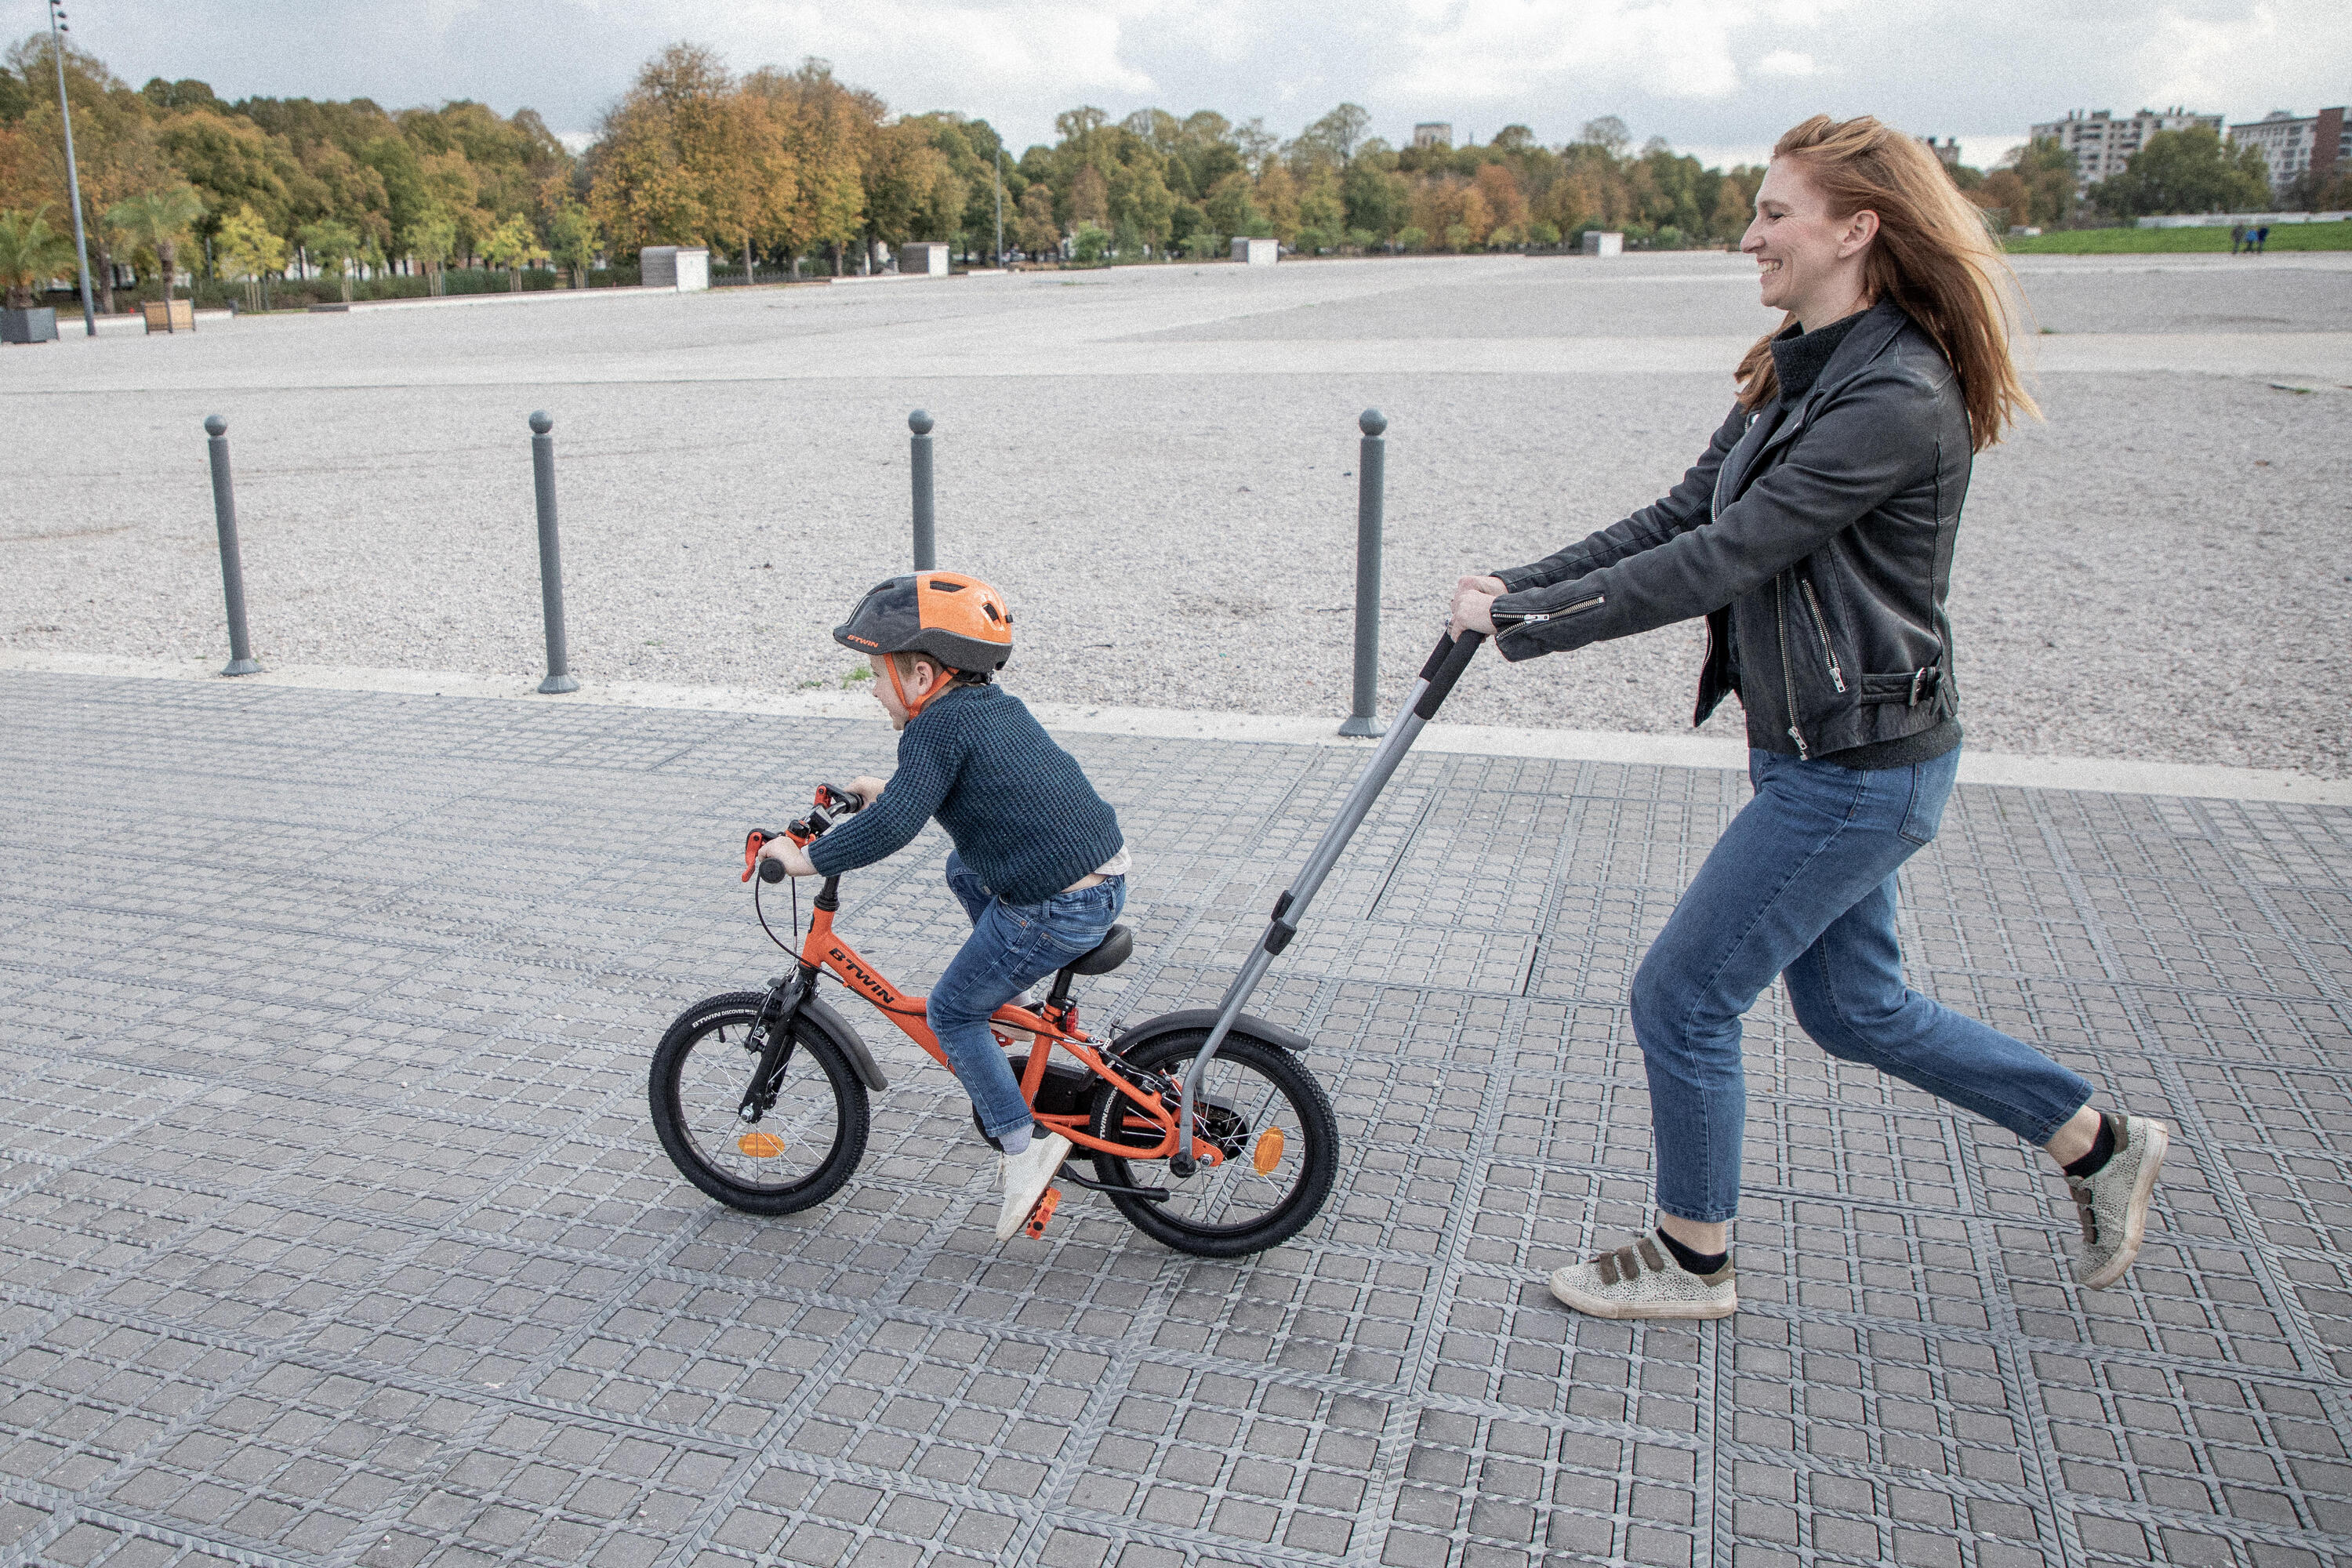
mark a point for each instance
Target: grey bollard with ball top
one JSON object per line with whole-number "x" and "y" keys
{"x": 551, "y": 559}
{"x": 927, "y": 551}
{"x": 240, "y": 646}
{"x": 1371, "y": 480}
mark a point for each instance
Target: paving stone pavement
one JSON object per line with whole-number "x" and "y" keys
{"x": 332, "y": 1230}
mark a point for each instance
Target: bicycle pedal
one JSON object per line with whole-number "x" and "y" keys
{"x": 1043, "y": 1215}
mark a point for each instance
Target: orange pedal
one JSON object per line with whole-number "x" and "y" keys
{"x": 1043, "y": 1215}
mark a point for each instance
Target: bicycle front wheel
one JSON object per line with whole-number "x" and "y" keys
{"x": 1272, "y": 1125}
{"x": 801, "y": 1150}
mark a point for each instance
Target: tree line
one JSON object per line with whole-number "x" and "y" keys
{"x": 788, "y": 169}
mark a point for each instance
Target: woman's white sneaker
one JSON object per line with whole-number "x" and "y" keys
{"x": 2113, "y": 1200}
{"x": 1026, "y": 1177}
{"x": 1644, "y": 1281}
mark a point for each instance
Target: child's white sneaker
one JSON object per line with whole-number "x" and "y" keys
{"x": 1026, "y": 1177}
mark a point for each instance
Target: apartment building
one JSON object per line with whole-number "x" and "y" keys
{"x": 1433, "y": 134}
{"x": 2102, "y": 144}
{"x": 2293, "y": 143}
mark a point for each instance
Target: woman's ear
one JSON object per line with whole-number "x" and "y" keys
{"x": 1860, "y": 230}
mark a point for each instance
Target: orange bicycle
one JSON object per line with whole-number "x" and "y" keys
{"x": 761, "y": 1098}
{"x": 1215, "y": 1097}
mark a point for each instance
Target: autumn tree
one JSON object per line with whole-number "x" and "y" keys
{"x": 1037, "y": 233}
{"x": 251, "y": 251}
{"x": 331, "y": 247}
{"x": 571, "y": 242}
{"x": 660, "y": 162}
{"x": 832, "y": 126}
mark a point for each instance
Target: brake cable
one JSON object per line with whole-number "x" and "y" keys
{"x": 756, "y": 910}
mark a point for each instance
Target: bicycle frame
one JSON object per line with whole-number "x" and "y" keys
{"x": 823, "y": 950}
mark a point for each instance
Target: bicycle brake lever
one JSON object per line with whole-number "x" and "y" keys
{"x": 753, "y": 842}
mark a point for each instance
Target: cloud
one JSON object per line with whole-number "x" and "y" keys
{"x": 1785, "y": 63}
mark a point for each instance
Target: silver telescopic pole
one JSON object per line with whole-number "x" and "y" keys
{"x": 1419, "y": 707}
{"x": 999, "y": 207}
{"x": 73, "y": 180}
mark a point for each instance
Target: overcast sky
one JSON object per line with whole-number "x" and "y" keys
{"x": 1721, "y": 77}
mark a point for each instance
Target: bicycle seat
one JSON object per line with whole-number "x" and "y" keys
{"x": 1108, "y": 954}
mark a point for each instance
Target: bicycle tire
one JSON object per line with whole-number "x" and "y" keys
{"x": 694, "y": 1136}
{"x": 1308, "y": 1113}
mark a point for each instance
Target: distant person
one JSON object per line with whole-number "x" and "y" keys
{"x": 2237, "y": 236}
{"x": 2261, "y": 239}
{"x": 1815, "y": 534}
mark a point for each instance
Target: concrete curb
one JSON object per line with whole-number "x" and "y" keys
{"x": 2101, "y": 776}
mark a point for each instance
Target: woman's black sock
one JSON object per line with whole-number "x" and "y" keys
{"x": 1695, "y": 1262}
{"x": 2103, "y": 1149}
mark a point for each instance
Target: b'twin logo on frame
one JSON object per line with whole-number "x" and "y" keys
{"x": 872, "y": 987}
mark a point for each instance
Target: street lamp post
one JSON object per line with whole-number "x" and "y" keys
{"x": 73, "y": 180}
{"x": 1000, "y": 203}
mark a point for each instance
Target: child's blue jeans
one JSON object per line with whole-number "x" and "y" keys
{"x": 1802, "y": 885}
{"x": 1011, "y": 947}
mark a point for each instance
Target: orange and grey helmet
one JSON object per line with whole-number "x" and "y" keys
{"x": 958, "y": 621}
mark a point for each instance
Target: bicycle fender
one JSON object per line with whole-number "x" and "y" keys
{"x": 1248, "y": 1023}
{"x": 835, "y": 1027}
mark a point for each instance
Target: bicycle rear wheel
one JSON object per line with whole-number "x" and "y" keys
{"x": 1269, "y": 1119}
{"x": 801, "y": 1150}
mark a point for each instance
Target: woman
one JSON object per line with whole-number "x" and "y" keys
{"x": 1815, "y": 534}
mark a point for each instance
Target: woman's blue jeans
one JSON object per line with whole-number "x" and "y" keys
{"x": 1011, "y": 947}
{"x": 1802, "y": 885}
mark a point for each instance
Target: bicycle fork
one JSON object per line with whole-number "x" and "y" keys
{"x": 1443, "y": 668}
{"x": 774, "y": 1032}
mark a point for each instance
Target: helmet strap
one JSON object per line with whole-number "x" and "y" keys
{"x": 913, "y": 705}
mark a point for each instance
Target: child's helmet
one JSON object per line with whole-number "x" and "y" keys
{"x": 960, "y": 621}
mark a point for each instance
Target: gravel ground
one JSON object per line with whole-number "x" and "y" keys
{"x": 2149, "y": 574}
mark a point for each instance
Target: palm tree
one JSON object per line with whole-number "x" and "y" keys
{"x": 30, "y": 252}
{"x": 159, "y": 219}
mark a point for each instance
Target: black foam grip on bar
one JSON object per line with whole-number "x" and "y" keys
{"x": 1457, "y": 659}
{"x": 1278, "y": 934}
{"x": 1437, "y": 656}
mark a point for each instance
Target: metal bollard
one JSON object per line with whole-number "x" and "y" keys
{"x": 1371, "y": 480}
{"x": 927, "y": 554}
{"x": 550, "y": 560}
{"x": 240, "y": 646}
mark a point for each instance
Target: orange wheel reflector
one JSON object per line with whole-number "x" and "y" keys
{"x": 760, "y": 1145}
{"x": 1268, "y": 1153}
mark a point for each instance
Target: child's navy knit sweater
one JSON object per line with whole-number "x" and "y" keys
{"x": 1020, "y": 812}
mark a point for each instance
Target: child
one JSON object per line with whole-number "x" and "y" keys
{"x": 1039, "y": 863}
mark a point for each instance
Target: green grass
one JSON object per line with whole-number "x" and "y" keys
{"x": 2152, "y": 241}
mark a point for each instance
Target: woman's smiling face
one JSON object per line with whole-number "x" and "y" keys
{"x": 1808, "y": 262}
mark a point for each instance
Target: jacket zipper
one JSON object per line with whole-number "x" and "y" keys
{"x": 1788, "y": 673}
{"x": 1578, "y": 608}
{"x": 1837, "y": 676}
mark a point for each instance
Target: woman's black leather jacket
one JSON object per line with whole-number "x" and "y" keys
{"x": 1816, "y": 540}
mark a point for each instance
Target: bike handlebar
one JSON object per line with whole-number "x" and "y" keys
{"x": 832, "y": 803}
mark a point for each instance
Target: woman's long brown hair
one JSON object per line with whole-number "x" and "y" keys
{"x": 1932, "y": 255}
